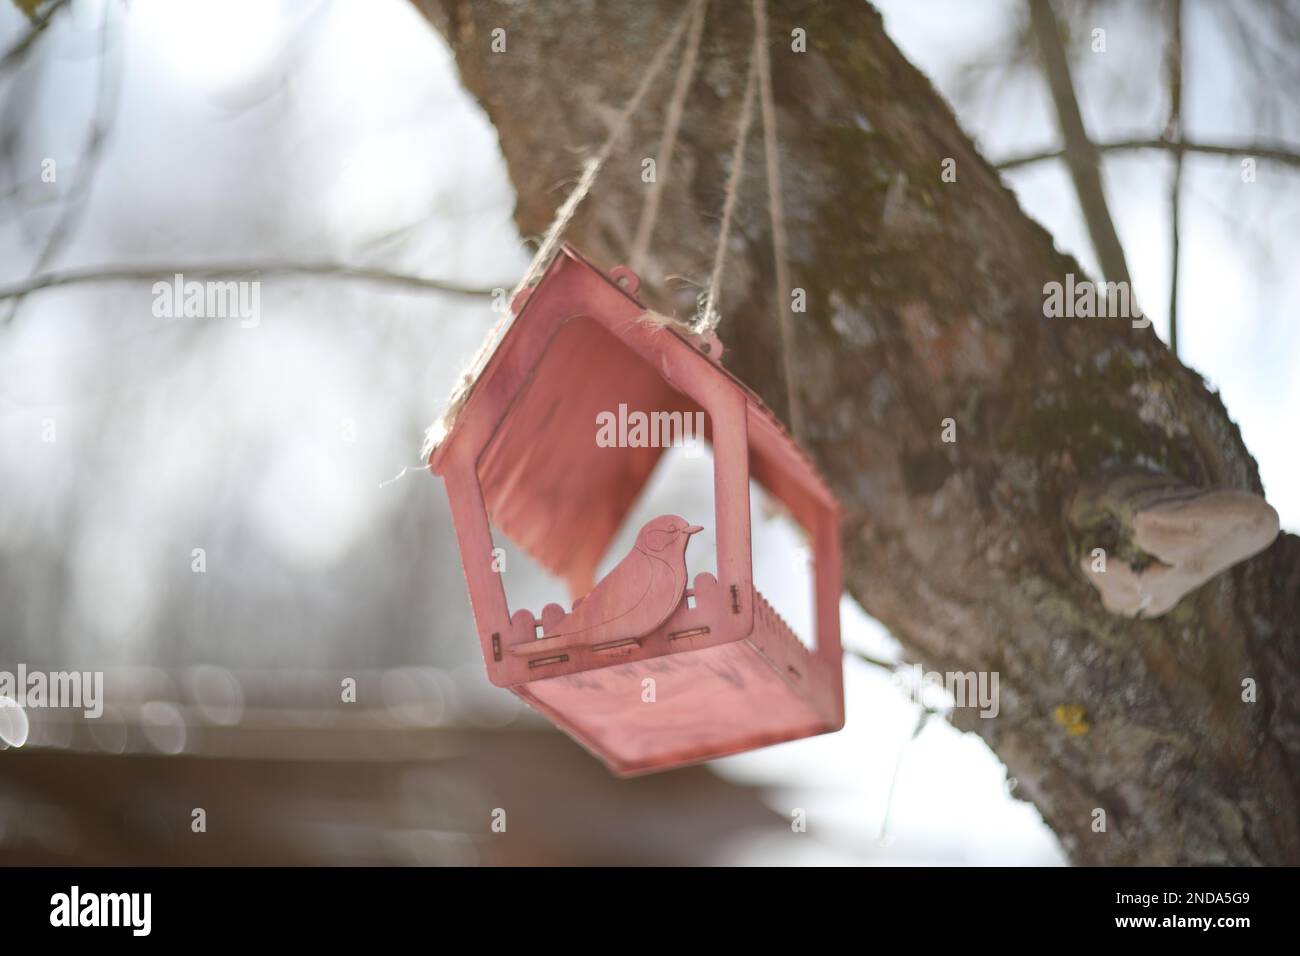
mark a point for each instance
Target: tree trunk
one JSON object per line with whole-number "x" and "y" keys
{"x": 925, "y": 303}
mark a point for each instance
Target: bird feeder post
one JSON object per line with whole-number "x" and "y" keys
{"x": 731, "y": 504}
{"x": 827, "y": 577}
{"x": 486, "y": 590}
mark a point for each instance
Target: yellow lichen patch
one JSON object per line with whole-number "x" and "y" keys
{"x": 1070, "y": 716}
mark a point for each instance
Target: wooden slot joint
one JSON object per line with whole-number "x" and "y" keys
{"x": 689, "y": 632}
{"x": 628, "y": 643}
{"x": 543, "y": 661}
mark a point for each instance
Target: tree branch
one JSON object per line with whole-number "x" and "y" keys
{"x": 107, "y": 91}
{"x": 1276, "y": 152}
{"x": 229, "y": 270}
{"x": 1174, "y": 130}
{"x": 14, "y": 56}
{"x": 1081, "y": 155}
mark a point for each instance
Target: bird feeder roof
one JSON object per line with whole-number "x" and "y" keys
{"x": 577, "y": 344}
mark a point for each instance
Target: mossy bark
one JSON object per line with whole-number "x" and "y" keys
{"x": 925, "y": 302}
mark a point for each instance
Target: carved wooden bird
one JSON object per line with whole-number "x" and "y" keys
{"x": 634, "y": 598}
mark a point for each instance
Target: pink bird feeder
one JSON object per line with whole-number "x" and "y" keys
{"x": 647, "y": 670}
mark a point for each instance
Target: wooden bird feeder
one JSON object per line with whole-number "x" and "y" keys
{"x": 521, "y": 453}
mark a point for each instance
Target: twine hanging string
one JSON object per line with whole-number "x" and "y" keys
{"x": 555, "y": 233}
{"x": 709, "y": 316}
{"x": 776, "y": 210}
{"x": 758, "y": 80}
{"x": 672, "y": 124}
{"x": 593, "y": 166}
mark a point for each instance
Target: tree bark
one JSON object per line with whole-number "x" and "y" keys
{"x": 925, "y": 302}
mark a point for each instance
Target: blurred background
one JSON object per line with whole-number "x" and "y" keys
{"x": 229, "y": 518}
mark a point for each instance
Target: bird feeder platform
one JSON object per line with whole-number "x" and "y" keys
{"x": 722, "y": 673}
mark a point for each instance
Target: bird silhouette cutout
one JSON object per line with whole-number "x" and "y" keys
{"x": 637, "y": 596}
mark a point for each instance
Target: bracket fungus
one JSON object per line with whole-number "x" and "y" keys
{"x": 1161, "y": 539}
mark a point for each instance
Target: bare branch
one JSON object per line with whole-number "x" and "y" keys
{"x": 1080, "y": 154}
{"x": 866, "y": 658}
{"x": 108, "y": 88}
{"x": 230, "y": 270}
{"x": 15, "y": 55}
{"x": 1275, "y": 152}
{"x": 1174, "y": 130}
